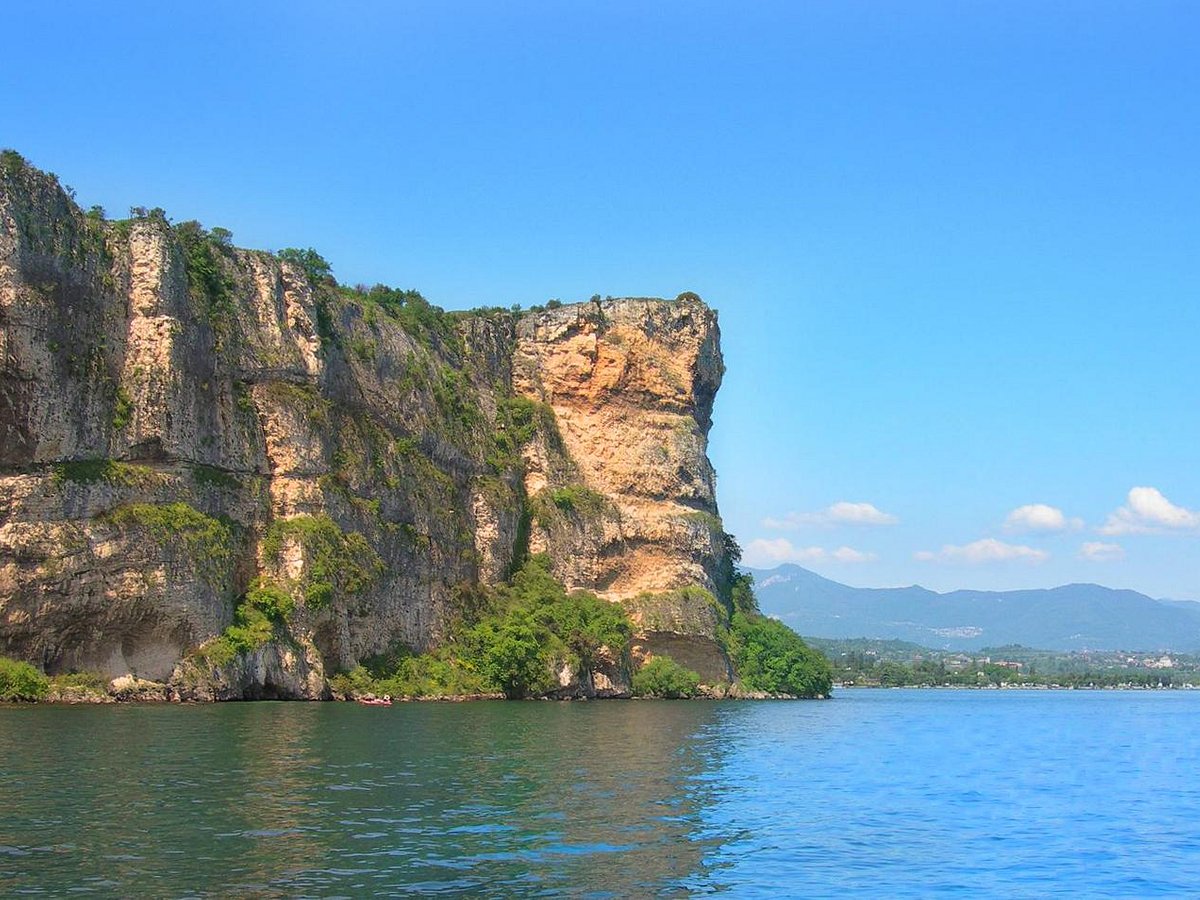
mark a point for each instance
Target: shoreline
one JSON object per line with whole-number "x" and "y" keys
{"x": 1019, "y": 687}
{"x": 163, "y": 695}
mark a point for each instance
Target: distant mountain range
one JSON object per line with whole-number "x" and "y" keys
{"x": 1071, "y": 617}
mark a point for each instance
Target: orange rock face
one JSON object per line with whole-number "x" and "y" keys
{"x": 631, "y": 384}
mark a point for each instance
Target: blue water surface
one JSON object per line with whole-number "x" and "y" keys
{"x": 888, "y": 793}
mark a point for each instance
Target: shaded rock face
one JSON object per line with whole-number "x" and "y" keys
{"x": 167, "y": 402}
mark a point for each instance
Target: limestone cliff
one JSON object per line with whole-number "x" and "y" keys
{"x": 184, "y": 423}
{"x": 631, "y": 385}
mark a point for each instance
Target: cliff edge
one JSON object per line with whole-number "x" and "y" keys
{"x": 197, "y": 439}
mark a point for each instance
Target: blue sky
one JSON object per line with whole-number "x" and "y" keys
{"x": 954, "y": 245}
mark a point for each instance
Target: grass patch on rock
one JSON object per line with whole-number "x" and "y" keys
{"x": 572, "y": 501}
{"x": 336, "y": 562}
{"x": 106, "y": 471}
{"x": 206, "y": 541}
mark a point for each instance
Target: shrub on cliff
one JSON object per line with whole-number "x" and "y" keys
{"x": 21, "y": 681}
{"x": 435, "y": 674}
{"x": 579, "y": 499}
{"x": 108, "y": 471}
{"x": 586, "y": 624}
{"x": 251, "y": 629}
{"x": 357, "y": 682}
{"x": 265, "y": 605}
{"x": 271, "y": 599}
{"x": 91, "y": 682}
{"x": 401, "y": 673}
{"x": 513, "y": 658}
{"x": 512, "y": 639}
{"x": 580, "y": 621}
{"x": 315, "y": 266}
{"x": 422, "y": 320}
{"x": 11, "y": 163}
{"x": 209, "y": 284}
{"x": 573, "y": 501}
{"x": 534, "y": 626}
{"x": 518, "y": 420}
{"x": 336, "y": 562}
{"x": 666, "y": 679}
{"x": 771, "y": 657}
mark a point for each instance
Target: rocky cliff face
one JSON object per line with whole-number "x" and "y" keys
{"x": 183, "y": 422}
{"x": 631, "y": 386}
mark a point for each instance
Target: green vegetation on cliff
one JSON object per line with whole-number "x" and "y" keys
{"x": 404, "y": 674}
{"x": 265, "y": 605}
{"x": 518, "y": 421}
{"x": 206, "y": 541}
{"x": 771, "y": 657}
{"x": 336, "y": 562}
{"x": 21, "y": 681}
{"x": 572, "y": 499}
{"x": 515, "y": 638}
{"x": 12, "y": 163}
{"x": 315, "y": 266}
{"x": 108, "y": 471}
{"x": 88, "y": 682}
{"x": 685, "y": 610}
{"x": 250, "y": 630}
{"x": 428, "y": 324}
{"x": 664, "y": 678}
{"x": 210, "y": 476}
{"x": 512, "y": 639}
{"x": 209, "y": 284}
{"x": 535, "y": 627}
{"x": 122, "y": 409}
{"x": 768, "y": 655}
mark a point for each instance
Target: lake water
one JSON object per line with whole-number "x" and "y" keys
{"x": 874, "y": 794}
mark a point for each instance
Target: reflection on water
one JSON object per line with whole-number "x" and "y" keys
{"x": 877, "y": 793}
{"x": 280, "y": 799}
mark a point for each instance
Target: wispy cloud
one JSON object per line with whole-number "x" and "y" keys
{"x": 987, "y": 550}
{"x": 840, "y": 513}
{"x": 1098, "y": 551}
{"x": 1040, "y": 517}
{"x": 1147, "y": 510}
{"x": 764, "y": 552}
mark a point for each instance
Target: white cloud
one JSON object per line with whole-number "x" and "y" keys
{"x": 1040, "y": 517}
{"x": 840, "y": 513}
{"x": 765, "y": 552}
{"x": 1098, "y": 551}
{"x": 844, "y": 513}
{"x": 983, "y": 551}
{"x": 850, "y": 555}
{"x": 1147, "y": 510}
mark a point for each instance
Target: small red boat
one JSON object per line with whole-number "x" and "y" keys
{"x": 375, "y": 701}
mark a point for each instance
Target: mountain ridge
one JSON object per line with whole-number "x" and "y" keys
{"x": 1076, "y": 616}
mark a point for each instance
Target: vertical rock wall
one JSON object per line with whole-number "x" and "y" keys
{"x": 181, "y": 420}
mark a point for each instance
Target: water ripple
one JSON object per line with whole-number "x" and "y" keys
{"x": 897, "y": 793}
